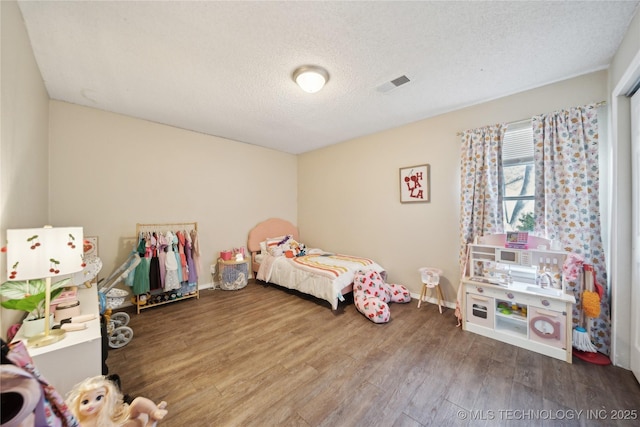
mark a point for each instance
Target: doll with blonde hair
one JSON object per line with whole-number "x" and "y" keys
{"x": 97, "y": 402}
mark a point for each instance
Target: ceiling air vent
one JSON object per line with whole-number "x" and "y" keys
{"x": 388, "y": 86}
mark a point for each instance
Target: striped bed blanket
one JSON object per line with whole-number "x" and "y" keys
{"x": 323, "y": 275}
{"x": 331, "y": 265}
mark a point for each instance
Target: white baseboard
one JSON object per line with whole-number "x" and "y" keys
{"x": 432, "y": 300}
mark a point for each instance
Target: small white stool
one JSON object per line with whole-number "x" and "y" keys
{"x": 431, "y": 279}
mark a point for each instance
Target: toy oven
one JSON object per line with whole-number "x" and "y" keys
{"x": 480, "y": 310}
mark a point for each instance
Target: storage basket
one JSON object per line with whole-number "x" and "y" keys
{"x": 115, "y": 297}
{"x": 233, "y": 276}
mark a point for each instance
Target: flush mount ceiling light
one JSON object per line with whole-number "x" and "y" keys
{"x": 311, "y": 78}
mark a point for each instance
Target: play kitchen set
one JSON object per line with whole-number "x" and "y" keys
{"x": 514, "y": 292}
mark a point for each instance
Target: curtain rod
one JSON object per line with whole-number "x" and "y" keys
{"x": 517, "y": 122}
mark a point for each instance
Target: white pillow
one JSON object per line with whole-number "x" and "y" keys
{"x": 276, "y": 251}
{"x": 277, "y": 246}
{"x": 272, "y": 241}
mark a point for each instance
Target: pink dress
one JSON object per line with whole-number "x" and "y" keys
{"x": 183, "y": 257}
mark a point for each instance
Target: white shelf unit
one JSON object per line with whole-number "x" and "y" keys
{"x": 513, "y": 324}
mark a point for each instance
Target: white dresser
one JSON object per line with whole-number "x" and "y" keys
{"x": 78, "y": 355}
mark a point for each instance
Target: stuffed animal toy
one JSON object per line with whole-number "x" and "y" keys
{"x": 97, "y": 402}
{"x": 291, "y": 249}
{"x": 294, "y": 249}
{"x": 371, "y": 295}
{"x": 302, "y": 249}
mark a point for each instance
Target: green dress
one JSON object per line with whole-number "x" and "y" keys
{"x": 141, "y": 274}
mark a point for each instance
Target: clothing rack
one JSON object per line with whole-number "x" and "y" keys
{"x": 162, "y": 296}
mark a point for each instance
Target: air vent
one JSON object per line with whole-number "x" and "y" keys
{"x": 388, "y": 86}
{"x": 400, "y": 81}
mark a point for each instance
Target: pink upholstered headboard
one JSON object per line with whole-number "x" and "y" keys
{"x": 273, "y": 227}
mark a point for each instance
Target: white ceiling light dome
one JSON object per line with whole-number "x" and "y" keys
{"x": 311, "y": 78}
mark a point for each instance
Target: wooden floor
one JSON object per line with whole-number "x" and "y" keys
{"x": 264, "y": 356}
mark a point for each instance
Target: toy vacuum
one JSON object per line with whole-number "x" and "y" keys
{"x": 591, "y": 295}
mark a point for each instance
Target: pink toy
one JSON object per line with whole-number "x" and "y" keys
{"x": 572, "y": 266}
{"x": 371, "y": 295}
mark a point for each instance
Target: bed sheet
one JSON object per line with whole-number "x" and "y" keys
{"x": 323, "y": 275}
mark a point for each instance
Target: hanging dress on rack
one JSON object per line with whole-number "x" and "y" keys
{"x": 154, "y": 264}
{"x": 183, "y": 258}
{"x": 177, "y": 256}
{"x": 195, "y": 252}
{"x": 141, "y": 275}
{"x": 171, "y": 279}
{"x": 192, "y": 281}
{"x": 162, "y": 257}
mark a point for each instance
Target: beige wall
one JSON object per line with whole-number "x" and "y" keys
{"x": 110, "y": 172}
{"x": 349, "y": 193}
{"x": 24, "y": 160}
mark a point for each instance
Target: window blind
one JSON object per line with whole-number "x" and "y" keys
{"x": 517, "y": 145}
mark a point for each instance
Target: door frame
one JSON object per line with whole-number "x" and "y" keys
{"x": 634, "y": 351}
{"x": 620, "y": 220}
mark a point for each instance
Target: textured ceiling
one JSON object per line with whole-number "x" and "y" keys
{"x": 224, "y": 68}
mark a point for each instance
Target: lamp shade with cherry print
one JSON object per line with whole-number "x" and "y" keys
{"x": 43, "y": 253}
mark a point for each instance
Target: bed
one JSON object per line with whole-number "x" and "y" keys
{"x": 324, "y": 275}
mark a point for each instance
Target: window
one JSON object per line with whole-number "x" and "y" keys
{"x": 518, "y": 171}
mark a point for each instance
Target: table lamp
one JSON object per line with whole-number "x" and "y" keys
{"x": 37, "y": 253}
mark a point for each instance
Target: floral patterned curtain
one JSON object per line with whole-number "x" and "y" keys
{"x": 566, "y": 196}
{"x": 480, "y": 190}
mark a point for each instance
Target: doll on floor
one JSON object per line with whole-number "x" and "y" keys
{"x": 97, "y": 402}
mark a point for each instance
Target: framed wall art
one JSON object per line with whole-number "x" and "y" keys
{"x": 90, "y": 247}
{"x": 415, "y": 184}
{"x": 89, "y": 275}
